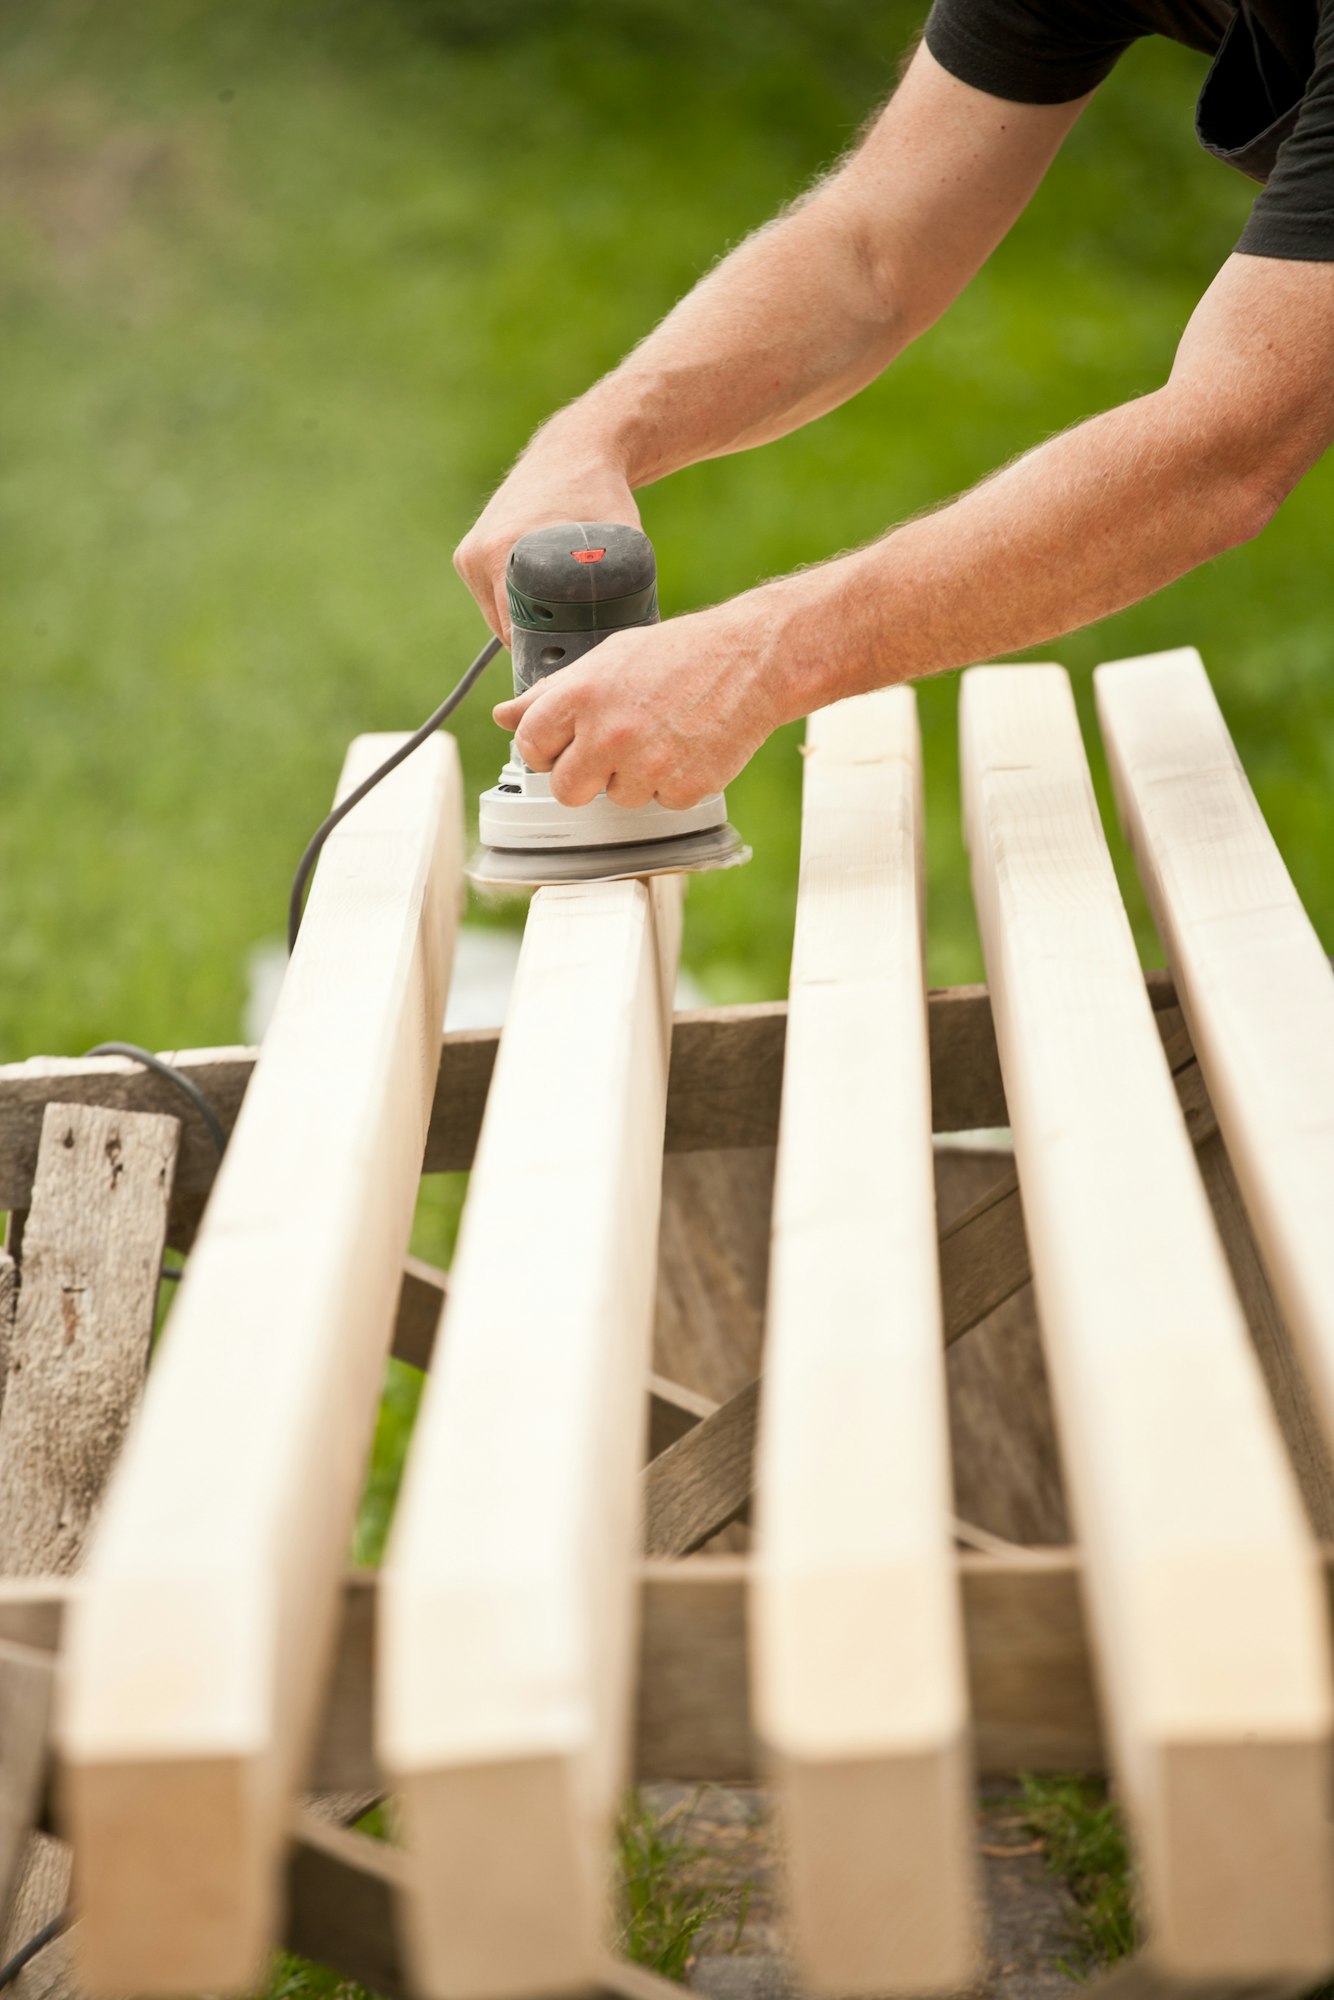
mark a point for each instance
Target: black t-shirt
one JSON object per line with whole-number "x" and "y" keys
{"x": 1267, "y": 105}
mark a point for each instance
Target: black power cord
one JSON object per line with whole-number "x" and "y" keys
{"x": 11, "y": 1969}
{"x": 48, "y": 1934}
{"x": 354, "y": 798}
{"x": 183, "y": 1083}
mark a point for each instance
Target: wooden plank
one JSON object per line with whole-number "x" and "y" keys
{"x": 999, "y": 1403}
{"x": 713, "y": 1268}
{"x": 704, "y": 1481}
{"x": 1251, "y": 974}
{"x": 199, "y": 1645}
{"x": 76, "y": 1360}
{"x": 32, "y": 1611}
{"x": 92, "y": 1251}
{"x": 1006, "y": 1463}
{"x": 9, "y": 1298}
{"x": 1213, "y": 1653}
{"x": 421, "y": 1301}
{"x": 673, "y": 1410}
{"x": 723, "y": 1092}
{"x": 508, "y": 1601}
{"x": 343, "y": 1895}
{"x": 117, "y": 1084}
{"x": 983, "y": 1255}
{"x": 1030, "y": 1669}
{"x": 858, "y": 1671}
{"x": 1308, "y": 1448}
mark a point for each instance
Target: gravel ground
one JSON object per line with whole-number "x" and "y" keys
{"x": 1030, "y": 1914}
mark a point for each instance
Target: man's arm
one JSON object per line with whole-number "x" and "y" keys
{"x": 1089, "y": 522}
{"x": 797, "y": 319}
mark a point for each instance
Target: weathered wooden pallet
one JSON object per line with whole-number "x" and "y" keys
{"x": 649, "y": 1194}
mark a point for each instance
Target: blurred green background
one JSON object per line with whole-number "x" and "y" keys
{"x": 284, "y": 288}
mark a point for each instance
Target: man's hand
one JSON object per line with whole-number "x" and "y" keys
{"x": 550, "y": 483}
{"x": 668, "y": 712}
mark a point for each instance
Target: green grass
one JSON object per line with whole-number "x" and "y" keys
{"x": 663, "y": 1910}
{"x": 660, "y": 1911}
{"x": 1085, "y": 1844}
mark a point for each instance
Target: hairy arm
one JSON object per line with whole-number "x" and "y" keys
{"x": 1086, "y": 523}
{"x": 798, "y": 318}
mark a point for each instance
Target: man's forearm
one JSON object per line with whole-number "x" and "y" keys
{"x": 787, "y": 327}
{"x": 813, "y": 307}
{"x": 1079, "y": 528}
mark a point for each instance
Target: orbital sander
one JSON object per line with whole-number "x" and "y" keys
{"x": 569, "y": 587}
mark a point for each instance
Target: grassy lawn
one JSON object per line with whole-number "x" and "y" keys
{"x": 285, "y": 286}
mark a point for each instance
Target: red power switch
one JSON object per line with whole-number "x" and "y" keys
{"x": 588, "y": 555}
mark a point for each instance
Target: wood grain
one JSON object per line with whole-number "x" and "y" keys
{"x": 1005, "y": 1459}
{"x": 217, "y": 1558}
{"x": 857, "y": 1650}
{"x": 508, "y": 1601}
{"x": 92, "y": 1250}
{"x": 1252, "y": 976}
{"x": 1212, "y": 1643}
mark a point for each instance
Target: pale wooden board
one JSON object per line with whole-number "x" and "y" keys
{"x": 859, "y": 1691}
{"x": 92, "y": 1251}
{"x": 1212, "y": 1647}
{"x": 508, "y": 1604}
{"x": 198, "y": 1648}
{"x": 1251, "y": 973}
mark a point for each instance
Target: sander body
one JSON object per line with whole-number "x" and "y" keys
{"x": 569, "y": 587}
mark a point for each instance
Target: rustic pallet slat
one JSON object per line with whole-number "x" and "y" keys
{"x": 74, "y": 1370}
{"x": 506, "y": 1644}
{"x": 198, "y": 1646}
{"x": 857, "y": 1648}
{"x": 723, "y": 1087}
{"x": 1251, "y": 974}
{"x": 1212, "y": 1647}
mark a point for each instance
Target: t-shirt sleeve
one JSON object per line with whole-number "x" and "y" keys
{"x": 1028, "y": 51}
{"x": 1294, "y": 215}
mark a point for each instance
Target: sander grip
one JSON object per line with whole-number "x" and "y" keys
{"x": 569, "y": 586}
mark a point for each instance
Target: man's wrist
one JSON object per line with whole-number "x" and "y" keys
{"x": 591, "y": 433}
{"x": 812, "y": 638}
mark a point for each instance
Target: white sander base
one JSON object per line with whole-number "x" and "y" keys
{"x": 528, "y": 839}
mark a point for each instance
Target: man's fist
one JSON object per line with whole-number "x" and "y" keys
{"x": 668, "y": 712}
